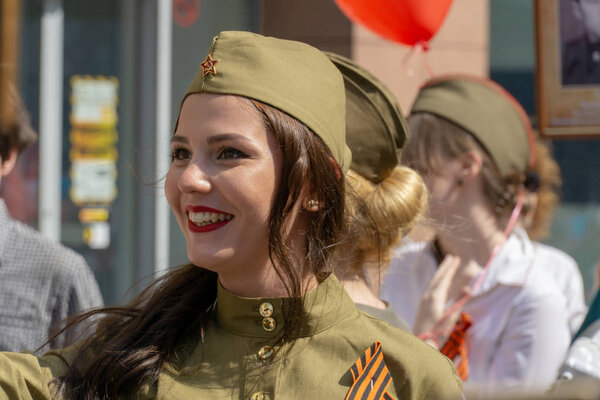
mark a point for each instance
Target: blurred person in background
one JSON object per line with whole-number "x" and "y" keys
{"x": 19, "y": 188}
{"x": 477, "y": 291}
{"x": 385, "y": 199}
{"x": 538, "y": 210}
{"x": 582, "y": 364}
{"x": 41, "y": 282}
{"x": 541, "y": 201}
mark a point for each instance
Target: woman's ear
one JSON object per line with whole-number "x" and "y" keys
{"x": 471, "y": 164}
{"x": 8, "y": 164}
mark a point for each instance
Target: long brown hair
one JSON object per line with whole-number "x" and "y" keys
{"x": 548, "y": 199}
{"x": 129, "y": 344}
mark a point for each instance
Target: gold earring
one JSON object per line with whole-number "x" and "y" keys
{"x": 312, "y": 205}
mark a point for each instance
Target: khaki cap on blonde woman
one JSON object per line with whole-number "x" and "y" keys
{"x": 375, "y": 127}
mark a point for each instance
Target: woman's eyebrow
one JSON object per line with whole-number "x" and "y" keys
{"x": 179, "y": 139}
{"x": 225, "y": 136}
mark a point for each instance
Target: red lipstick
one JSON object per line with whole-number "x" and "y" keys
{"x": 209, "y": 227}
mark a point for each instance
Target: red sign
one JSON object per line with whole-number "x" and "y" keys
{"x": 186, "y": 12}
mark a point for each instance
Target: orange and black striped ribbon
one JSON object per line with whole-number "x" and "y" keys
{"x": 371, "y": 376}
{"x": 455, "y": 347}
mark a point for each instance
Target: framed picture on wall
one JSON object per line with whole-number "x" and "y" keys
{"x": 568, "y": 67}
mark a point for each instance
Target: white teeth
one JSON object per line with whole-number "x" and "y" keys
{"x": 205, "y": 218}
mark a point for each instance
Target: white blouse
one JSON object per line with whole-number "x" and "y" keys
{"x": 567, "y": 276}
{"x": 520, "y": 333}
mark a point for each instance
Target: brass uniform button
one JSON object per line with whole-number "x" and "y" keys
{"x": 258, "y": 396}
{"x": 269, "y": 324}
{"x": 265, "y": 352}
{"x": 266, "y": 309}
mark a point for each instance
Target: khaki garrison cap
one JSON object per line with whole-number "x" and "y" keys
{"x": 291, "y": 76}
{"x": 375, "y": 127}
{"x": 488, "y": 112}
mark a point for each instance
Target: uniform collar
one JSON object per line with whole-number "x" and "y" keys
{"x": 323, "y": 306}
{"x": 5, "y": 222}
{"x": 512, "y": 264}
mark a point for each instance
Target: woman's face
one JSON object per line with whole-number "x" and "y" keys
{"x": 443, "y": 186}
{"x": 221, "y": 184}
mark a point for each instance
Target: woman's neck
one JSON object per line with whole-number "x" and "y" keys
{"x": 360, "y": 292}
{"x": 263, "y": 283}
{"x": 474, "y": 239}
{"x": 262, "y": 279}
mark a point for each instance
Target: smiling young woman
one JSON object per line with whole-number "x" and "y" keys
{"x": 257, "y": 186}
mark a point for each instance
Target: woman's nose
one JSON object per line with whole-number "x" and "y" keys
{"x": 194, "y": 179}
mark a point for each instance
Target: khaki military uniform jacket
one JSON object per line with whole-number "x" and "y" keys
{"x": 237, "y": 357}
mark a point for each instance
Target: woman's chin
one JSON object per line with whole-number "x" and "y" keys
{"x": 215, "y": 261}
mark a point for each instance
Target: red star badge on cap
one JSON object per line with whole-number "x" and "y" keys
{"x": 208, "y": 66}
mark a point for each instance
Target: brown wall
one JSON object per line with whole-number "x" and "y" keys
{"x": 317, "y": 22}
{"x": 460, "y": 46}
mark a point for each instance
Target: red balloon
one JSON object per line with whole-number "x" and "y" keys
{"x": 404, "y": 21}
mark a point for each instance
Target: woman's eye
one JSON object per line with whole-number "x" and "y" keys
{"x": 179, "y": 154}
{"x": 229, "y": 153}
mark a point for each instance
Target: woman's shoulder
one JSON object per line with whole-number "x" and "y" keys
{"x": 540, "y": 281}
{"x": 412, "y": 249}
{"x": 538, "y": 298}
{"x": 524, "y": 269}
{"x": 411, "y": 269}
{"x": 404, "y": 347}
{"x": 553, "y": 255}
{"x": 413, "y": 259}
{"x": 29, "y": 373}
{"x": 417, "y": 369}
{"x": 386, "y": 314}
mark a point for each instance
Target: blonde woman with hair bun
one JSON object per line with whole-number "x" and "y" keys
{"x": 385, "y": 200}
